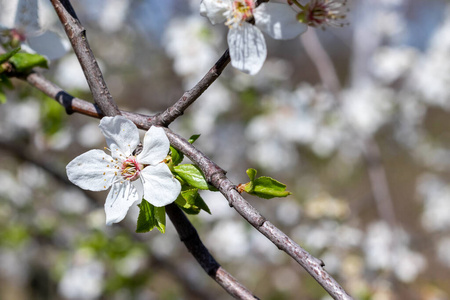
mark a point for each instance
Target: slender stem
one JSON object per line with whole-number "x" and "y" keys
{"x": 77, "y": 36}
{"x": 298, "y": 4}
{"x": 216, "y": 176}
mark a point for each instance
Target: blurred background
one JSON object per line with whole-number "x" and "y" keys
{"x": 353, "y": 119}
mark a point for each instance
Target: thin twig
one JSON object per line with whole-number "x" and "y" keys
{"x": 77, "y": 36}
{"x": 176, "y": 110}
{"x": 216, "y": 176}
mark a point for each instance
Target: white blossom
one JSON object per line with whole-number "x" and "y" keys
{"x": 130, "y": 176}
{"x": 246, "y": 42}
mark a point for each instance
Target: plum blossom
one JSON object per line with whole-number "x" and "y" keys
{"x": 246, "y": 42}
{"x": 130, "y": 176}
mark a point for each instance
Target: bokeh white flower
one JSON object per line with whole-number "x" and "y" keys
{"x": 131, "y": 176}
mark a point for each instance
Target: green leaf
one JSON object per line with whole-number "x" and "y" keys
{"x": 191, "y": 202}
{"x": 200, "y": 203}
{"x": 251, "y": 174}
{"x": 177, "y": 156}
{"x": 193, "y": 138}
{"x": 263, "y": 187}
{"x": 193, "y": 176}
{"x": 190, "y": 195}
{"x": 187, "y": 208}
{"x": 267, "y": 188}
{"x": 26, "y": 61}
{"x": 150, "y": 217}
{"x": 6, "y": 56}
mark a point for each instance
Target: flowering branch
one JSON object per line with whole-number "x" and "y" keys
{"x": 77, "y": 36}
{"x": 213, "y": 173}
{"x": 216, "y": 176}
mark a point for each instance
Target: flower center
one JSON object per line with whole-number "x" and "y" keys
{"x": 130, "y": 168}
{"x": 324, "y": 12}
{"x": 242, "y": 11}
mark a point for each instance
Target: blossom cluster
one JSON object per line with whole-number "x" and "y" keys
{"x": 280, "y": 21}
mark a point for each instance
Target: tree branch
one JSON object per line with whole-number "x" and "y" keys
{"x": 77, "y": 36}
{"x": 216, "y": 176}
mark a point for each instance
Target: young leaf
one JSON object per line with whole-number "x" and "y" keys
{"x": 26, "y": 61}
{"x": 190, "y": 195}
{"x": 193, "y": 176}
{"x": 186, "y": 207}
{"x": 263, "y": 187}
{"x": 6, "y": 56}
{"x": 267, "y": 188}
{"x": 193, "y": 138}
{"x": 150, "y": 217}
{"x": 191, "y": 202}
{"x": 177, "y": 156}
{"x": 200, "y": 203}
{"x": 251, "y": 174}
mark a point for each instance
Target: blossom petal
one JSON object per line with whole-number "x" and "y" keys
{"x": 121, "y": 135}
{"x": 119, "y": 200}
{"x": 155, "y": 147}
{"x": 160, "y": 187}
{"x": 247, "y": 48}
{"x": 214, "y": 10}
{"x": 279, "y": 21}
{"x": 91, "y": 171}
{"x": 139, "y": 188}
